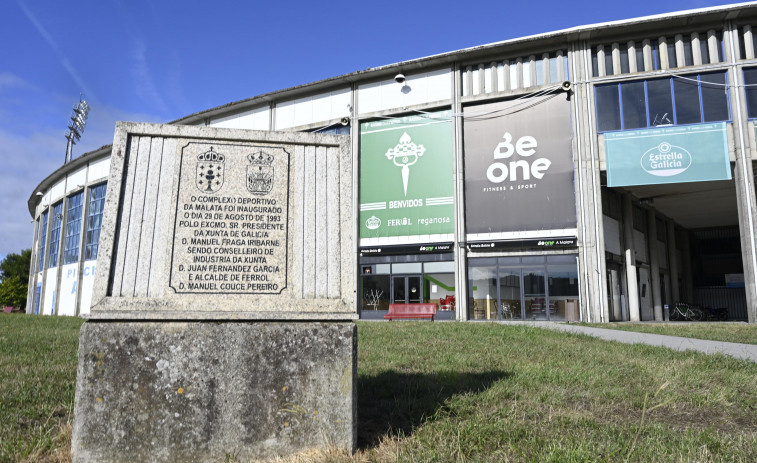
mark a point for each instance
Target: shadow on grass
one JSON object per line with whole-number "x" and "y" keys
{"x": 395, "y": 403}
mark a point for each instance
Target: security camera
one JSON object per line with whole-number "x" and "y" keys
{"x": 345, "y": 121}
{"x": 399, "y": 78}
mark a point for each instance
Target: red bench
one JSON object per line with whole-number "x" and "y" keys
{"x": 411, "y": 311}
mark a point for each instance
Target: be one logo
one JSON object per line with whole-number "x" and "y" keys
{"x": 520, "y": 169}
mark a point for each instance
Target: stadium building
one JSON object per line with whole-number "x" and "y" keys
{"x": 597, "y": 173}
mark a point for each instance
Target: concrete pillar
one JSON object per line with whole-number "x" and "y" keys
{"x": 675, "y": 290}
{"x": 743, "y": 176}
{"x": 594, "y": 306}
{"x": 654, "y": 264}
{"x": 630, "y": 257}
{"x": 461, "y": 258}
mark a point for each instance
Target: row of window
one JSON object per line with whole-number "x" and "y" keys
{"x": 676, "y": 100}
{"x": 73, "y": 227}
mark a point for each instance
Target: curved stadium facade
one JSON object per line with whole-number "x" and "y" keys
{"x": 597, "y": 173}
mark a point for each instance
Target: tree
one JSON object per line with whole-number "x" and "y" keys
{"x": 14, "y": 272}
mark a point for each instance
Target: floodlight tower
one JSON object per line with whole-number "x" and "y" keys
{"x": 76, "y": 127}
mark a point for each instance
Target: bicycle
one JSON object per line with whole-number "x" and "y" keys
{"x": 683, "y": 311}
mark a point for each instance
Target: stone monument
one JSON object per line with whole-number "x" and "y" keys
{"x": 223, "y": 307}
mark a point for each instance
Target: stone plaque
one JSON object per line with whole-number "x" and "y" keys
{"x": 231, "y": 223}
{"x": 202, "y": 223}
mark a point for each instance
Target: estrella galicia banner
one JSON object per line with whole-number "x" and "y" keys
{"x": 690, "y": 153}
{"x": 406, "y": 181}
{"x": 519, "y": 166}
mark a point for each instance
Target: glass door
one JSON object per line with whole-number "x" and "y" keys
{"x": 534, "y": 294}
{"x": 509, "y": 294}
{"x": 407, "y": 289}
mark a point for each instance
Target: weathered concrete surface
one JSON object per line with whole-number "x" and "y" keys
{"x": 198, "y": 391}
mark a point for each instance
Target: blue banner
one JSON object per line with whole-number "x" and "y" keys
{"x": 691, "y": 153}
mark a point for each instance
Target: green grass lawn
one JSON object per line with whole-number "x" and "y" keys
{"x": 714, "y": 331}
{"x": 458, "y": 392}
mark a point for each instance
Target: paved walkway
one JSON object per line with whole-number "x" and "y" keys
{"x": 740, "y": 351}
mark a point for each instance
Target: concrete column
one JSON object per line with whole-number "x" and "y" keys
{"x": 743, "y": 176}
{"x": 630, "y": 257}
{"x": 654, "y": 264}
{"x": 461, "y": 258}
{"x": 594, "y": 306}
{"x": 675, "y": 291}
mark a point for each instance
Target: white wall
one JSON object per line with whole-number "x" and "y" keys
{"x": 255, "y": 119}
{"x": 612, "y": 235}
{"x": 314, "y": 109}
{"x": 419, "y": 89}
{"x": 68, "y": 287}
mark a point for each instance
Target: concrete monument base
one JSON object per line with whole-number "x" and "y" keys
{"x": 201, "y": 391}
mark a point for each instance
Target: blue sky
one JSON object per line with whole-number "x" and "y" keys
{"x": 156, "y": 61}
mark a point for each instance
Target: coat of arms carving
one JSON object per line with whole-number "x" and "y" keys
{"x": 260, "y": 173}
{"x": 210, "y": 171}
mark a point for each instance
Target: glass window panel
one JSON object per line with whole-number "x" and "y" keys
{"x": 608, "y": 108}
{"x": 509, "y": 294}
{"x": 634, "y": 105}
{"x": 639, "y": 57}
{"x": 483, "y": 292}
{"x": 94, "y": 220}
{"x": 687, "y": 101}
{"x": 539, "y": 72}
{"x": 73, "y": 228}
{"x": 534, "y": 295}
{"x": 562, "y": 259}
{"x": 750, "y": 79}
{"x": 482, "y": 261}
{"x": 383, "y": 269}
{"x": 374, "y": 292}
{"x": 42, "y": 239}
{"x": 594, "y": 65}
{"x": 714, "y": 97}
{"x": 52, "y": 256}
{"x": 533, "y": 259}
{"x": 563, "y": 290}
{"x": 440, "y": 289}
{"x": 553, "y": 63}
{"x": 438, "y": 267}
{"x": 660, "y": 102}
{"x": 509, "y": 260}
{"x": 409, "y": 267}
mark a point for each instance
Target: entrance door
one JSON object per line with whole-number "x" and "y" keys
{"x": 534, "y": 295}
{"x": 509, "y": 294}
{"x": 407, "y": 289}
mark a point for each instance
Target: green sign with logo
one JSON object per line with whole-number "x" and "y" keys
{"x": 691, "y": 153}
{"x": 406, "y": 178}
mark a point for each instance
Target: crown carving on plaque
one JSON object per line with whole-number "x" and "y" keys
{"x": 260, "y": 159}
{"x": 211, "y": 156}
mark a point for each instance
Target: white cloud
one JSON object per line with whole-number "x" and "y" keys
{"x": 61, "y": 56}
{"x": 144, "y": 84}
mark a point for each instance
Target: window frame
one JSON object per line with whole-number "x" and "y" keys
{"x": 74, "y": 219}
{"x": 94, "y": 215}
{"x": 699, "y": 76}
